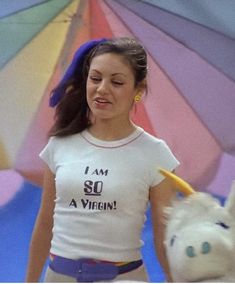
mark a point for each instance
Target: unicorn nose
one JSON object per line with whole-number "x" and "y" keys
{"x": 190, "y": 251}
{"x": 205, "y": 249}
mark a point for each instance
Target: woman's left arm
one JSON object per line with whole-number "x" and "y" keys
{"x": 160, "y": 197}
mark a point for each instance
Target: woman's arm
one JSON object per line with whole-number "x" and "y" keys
{"x": 160, "y": 196}
{"x": 42, "y": 233}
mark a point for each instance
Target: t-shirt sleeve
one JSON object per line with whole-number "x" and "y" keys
{"x": 165, "y": 159}
{"x": 47, "y": 154}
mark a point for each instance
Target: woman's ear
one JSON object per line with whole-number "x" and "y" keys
{"x": 142, "y": 87}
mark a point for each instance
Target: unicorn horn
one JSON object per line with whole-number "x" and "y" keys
{"x": 178, "y": 182}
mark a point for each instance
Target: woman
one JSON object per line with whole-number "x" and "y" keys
{"x": 101, "y": 171}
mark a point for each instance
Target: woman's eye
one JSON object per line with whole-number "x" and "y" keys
{"x": 95, "y": 79}
{"x": 117, "y": 83}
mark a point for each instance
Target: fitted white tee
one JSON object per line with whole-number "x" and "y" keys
{"x": 102, "y": 192}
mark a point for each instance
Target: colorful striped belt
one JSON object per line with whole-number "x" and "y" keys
{"x": 90, "y": 270}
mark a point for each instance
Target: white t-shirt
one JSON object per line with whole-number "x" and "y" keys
{"x": 102, "y": 192}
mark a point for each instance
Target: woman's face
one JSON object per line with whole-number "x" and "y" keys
{"x": 110, "y": 87}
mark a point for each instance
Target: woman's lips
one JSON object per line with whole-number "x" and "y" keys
{"x": 100, "y": 102}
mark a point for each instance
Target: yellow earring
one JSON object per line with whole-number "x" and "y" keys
{"x": 137, "y": 98}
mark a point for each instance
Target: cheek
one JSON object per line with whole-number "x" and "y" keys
{"x": 129, "y": 97}
{"x": 88, "y": 87}
{"x": 126, "y": 103}
{"x": 89, "y": 91}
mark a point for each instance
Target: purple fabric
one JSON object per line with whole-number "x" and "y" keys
{"x": 78, "y": 58}
{"x": 84, "y": 270}
{"x": 209, "y": 93}
{"x": 215, "y": 47}
{"x": 215, "y": 14}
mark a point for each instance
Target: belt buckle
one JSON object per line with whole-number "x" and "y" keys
{"x": 91, "y": 272}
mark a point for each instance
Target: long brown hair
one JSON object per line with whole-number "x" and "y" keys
{"x": 72, "y": 112}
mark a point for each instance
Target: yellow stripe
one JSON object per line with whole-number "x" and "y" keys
{"x": 121, "y": 263}
{"x": 23, "y": 82}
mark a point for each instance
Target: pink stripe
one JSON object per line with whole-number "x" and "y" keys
{"x": 175, "y": 122}
{"x": 10, "y": 182}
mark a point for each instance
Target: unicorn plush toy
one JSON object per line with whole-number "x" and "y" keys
{"x": 200, "y": 235}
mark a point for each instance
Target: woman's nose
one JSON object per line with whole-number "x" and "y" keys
{"x": 102, "y": 88}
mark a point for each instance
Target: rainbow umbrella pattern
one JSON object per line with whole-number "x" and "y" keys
{"x": 191, "y": 96}
{"x": 191, "y": 99}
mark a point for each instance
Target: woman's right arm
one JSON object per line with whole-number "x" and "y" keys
{"x": 42, "y": 233}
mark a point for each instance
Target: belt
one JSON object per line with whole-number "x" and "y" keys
{"x": 90, "y": 270}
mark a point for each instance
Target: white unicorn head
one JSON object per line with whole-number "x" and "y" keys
{"x": 200, "y": 236}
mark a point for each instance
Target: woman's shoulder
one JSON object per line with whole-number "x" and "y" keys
{"x": 64, "y": 139}
{"x": 152, "y": 144}
{"x": 151, "y": 138}
{"x": 157, "y": 151}
{"x": 60, "y": 141}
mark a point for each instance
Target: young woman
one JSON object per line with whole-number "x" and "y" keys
{"x": 101, "y": 171}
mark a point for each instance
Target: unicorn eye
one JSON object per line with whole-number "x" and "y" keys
{"x": 172, "y": 241}
{"x": 223, "y": 225}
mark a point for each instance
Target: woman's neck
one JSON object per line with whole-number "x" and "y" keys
{"x": 106, "y": 131}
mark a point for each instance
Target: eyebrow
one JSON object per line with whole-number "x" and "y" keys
{"x": 114, "y": 74}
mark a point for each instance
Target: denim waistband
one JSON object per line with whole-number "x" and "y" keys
{"x": 90, "y": 270}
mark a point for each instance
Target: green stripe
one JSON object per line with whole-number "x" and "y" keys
{"x": 18, "y": 30}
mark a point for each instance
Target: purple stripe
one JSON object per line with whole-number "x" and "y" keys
{"x": 222, "y": 181}
{"x": 215, "y": 47}
{"x": 209, "y": 93}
